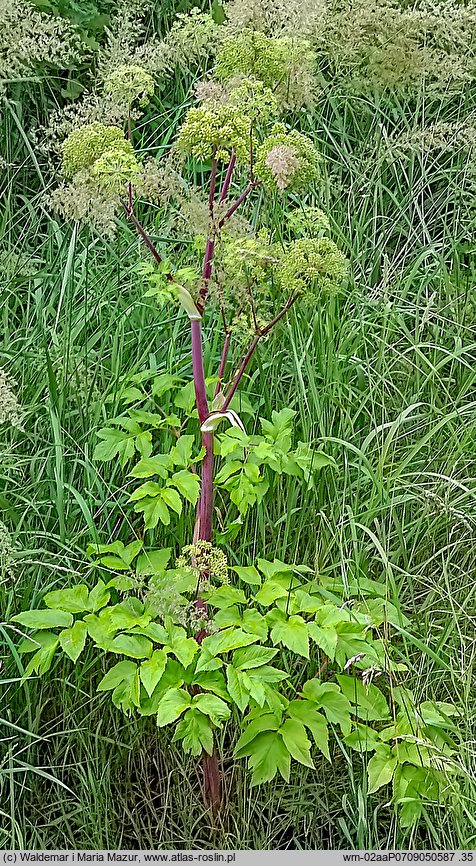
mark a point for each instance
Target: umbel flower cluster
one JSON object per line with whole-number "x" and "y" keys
{"x": 236, "y": 126}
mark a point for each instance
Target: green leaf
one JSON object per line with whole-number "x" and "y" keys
{"x": 267, "y": 674}
{"x": 252, "y": 657}
{"x": 370, "y": 704}
{"x": 248, "y": 574}
{"x": 163, "y": 383}
{"x": 37, "y": 641}
{"x": 195, "y": 732}
{"x": 135, "y": 646}
{"x": 269, "y": 592}
{"x": 74, "y": 600}
{"x": 172, "y": 678}
{"x": 225, "y": 596}
{"x": 115, "y": 443}
{"x": 156, "y": 632}
{"x": 41, "y": 662}
{"x": 253, "y": 622}
{"x": 227, "y": 640}
{"x": 98, "y": 597}
{"x": 181, "y": 453}
{"x": 172, "y": 499}
{"x": 305, "y": 712}
{"x": 329, "y": 697}
{"x": 44, "y": 619}
{"x": 151, "y": 671}
{"x": 206, "y": 662}
{"x": 127, "y": 694}
{"x": 72, "y": 640}
{"x": 380, "y": 769}
{"x": 237, "y": 689}
{"x": 212, "y": 706}
{"x": 212, "y": 681}
{"x": 185, "y": 398}
{"x": 269, "y": 757}
{"x": 159, "y": 465}
{"x": 326, "y": 638}
{"x": 123, "y": 671}
{"x": 188, "y": 484}
{"x": 154, "y": 511}
{"x": 148, "y": 488}
{"x": 153, "y": 561}
{"x": 293, "y": 635}
{"x": 363, "y": 739}
{"x": 262, "y": 722}
{"x": 99, "y": 630}
{"x": 280, "y": 428}
{"x": 172, "y": 705}
{"x": 295, "y": 739}
{"x": 183, "y": 647}
{"x": 128, "y": 613}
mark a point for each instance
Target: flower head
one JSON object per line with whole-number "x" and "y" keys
{"x": 99, "y": 156}
{"x": 307, "y": 221}
{"x": 252, "y": 53}
{"x": 287, "y": 160}
{"x": 255, "y": 99}
{"x": 130, "y": 84}
{"x": 86, "y": 144}
{"x": 311, "y": 265}
{"x": 215, "y": 129}
{"x": 115, "y": 168}
{"x": 6, "y": 552}
{"x": 283, "y": 163}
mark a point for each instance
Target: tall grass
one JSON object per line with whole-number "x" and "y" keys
{"x": 383, "y": 377}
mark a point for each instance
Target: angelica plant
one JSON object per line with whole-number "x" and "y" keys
{"x": 199, "y": 641}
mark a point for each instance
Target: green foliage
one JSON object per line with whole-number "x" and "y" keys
{"x": 279, "y": 613}
{"x": 312, "y": 659}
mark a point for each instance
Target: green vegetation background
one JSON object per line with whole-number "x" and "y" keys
{"x": 385, "y": 378}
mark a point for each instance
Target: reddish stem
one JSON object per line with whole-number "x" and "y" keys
{"x": 240, "y": 372}
{"x": 290, "y": 301}
{"x": 224, "y": 356}
{"x": 227, "y": 181}
{"x": 145, "y": 237}
{"x": 213, "y": 178}
{"x": 233, "y": 207}
{"x": 198, "y": 371}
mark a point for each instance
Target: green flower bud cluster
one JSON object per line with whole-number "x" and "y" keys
{"x": 101, "y": 154}
{"x": 247, "y": 261}
{"x": 284, "y": 64}
{"x": 252, "y": 53}
{"x": 311, "y": 265}
{"x": 307, "y": 221}
{"x": 205, "y": 558}
{"x": 287, "y": 160}
{"x": 129, "y": 84}
{"x": 254, "y": 98}
{"x": 213, "y": 128}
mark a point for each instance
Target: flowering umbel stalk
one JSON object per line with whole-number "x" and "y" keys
{"x": 203, "y": 529}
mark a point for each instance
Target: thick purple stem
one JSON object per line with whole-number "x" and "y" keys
{"x": 204, "y": 518}
{"x": 198, "y": 371}
{"x": 233, "y": 207}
